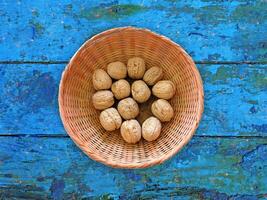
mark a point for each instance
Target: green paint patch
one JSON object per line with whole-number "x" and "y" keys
{"x": 223, "y": 73}
{"x": 39, "y": 28}
{"x": 212, "y": 14}
{"x": 205, "y": 74}
{"x": 106, "y": 197}
{"x": 259, "y": 81}
{"x": 186, "y": 9}
{"x": 254, "y": 13}
{"x": 145, "y": 178}
{"x": 112, "y": 12}
{"x": 253, "y": 102}
{"x": 215, "y": 14}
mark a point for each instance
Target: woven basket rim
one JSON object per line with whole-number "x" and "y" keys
{"x": 96, "y": 156}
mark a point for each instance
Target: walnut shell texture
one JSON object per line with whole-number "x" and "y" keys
{"x": 136, "y": 68}
{"x": 110, "y": 119}
{"x": 128, "y": 108}
{"x": 140, "y": 91}
{"x": 153, "y": 75}
{"x": 131, "y": 131}
{"x": 101, "y": 80}
{"x": 103, "y": 99}
{"x": 163, "y": 110}
{"x": 151, "y": 129}
{"x": 117, "y": 70}
{"x": 121, "y": 89}
{"x": 164, "y": 89}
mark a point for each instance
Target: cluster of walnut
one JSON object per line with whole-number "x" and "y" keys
{"x": 129, "y": 96}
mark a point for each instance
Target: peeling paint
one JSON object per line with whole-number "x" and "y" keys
{"x": 57, "y": 189}
{"x": 253, "y": 110}
{"x": 38, "y": 27}
{"x": 225, "y": 30}
{"x": 112, "y": 12}
{"x": 253, "y": 102}
{"x": 260, "y": 80}
{"x": 260, "y": 128}
{"x": 253, "y": 12}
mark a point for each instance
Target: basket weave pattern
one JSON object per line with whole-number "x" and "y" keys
{"x": 81, "y": 119}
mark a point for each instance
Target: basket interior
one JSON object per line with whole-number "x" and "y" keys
{"x": 81, "y": 120}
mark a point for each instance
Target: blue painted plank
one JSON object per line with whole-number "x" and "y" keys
{"x": 235, "y": 99}
{"x": 207, "y": 168}
{"x": 208, "y": 30}
{"x": 28, "y": 103}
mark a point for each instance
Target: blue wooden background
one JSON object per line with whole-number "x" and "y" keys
{"x": 226, "y": 159}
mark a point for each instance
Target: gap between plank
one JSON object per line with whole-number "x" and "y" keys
{"x": 197, "y": 62}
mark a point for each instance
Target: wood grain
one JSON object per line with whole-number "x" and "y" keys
{"x": 208, "y": 168}
{"x": 47, "y": 165}
{"x": 235, "y": 100}
{"x": 209, "y": 30}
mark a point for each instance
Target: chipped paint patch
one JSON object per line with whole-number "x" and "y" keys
{"x": 57, "y": 189}
{"x": 111, "y": 12}
{"x": 260, "y": 128}
{"x": 259, "y": 80}
{"x": 253, "y": 12}
{"x": 37, "y": 27}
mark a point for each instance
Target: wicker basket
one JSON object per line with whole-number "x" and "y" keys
{"x": 81, "y": 120}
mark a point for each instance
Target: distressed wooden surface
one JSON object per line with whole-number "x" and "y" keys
{"x": 235, "y": 99}
{"x": 209, "y": 30}
{"x": 208, "y": 168}
{"x": 225, "y": 160}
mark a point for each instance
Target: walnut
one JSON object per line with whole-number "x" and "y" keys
{"x": 117, "y": 70}
{"x": 140, "y": 91}
{"x": 162, "y": 109}
{"x": 128, "y": 108}
{"x": 153, "y": 75}
{"x": 136, "y": 68}
{"x": 101, "y": 80}
{"x": 164, "y": 89}
{"x": 121, "y": 89}
{"x": 103, "y": 99}
{"x": 151, "y": 129}
{"x": 110, "y": 119}
{"x": 131, "y": 131}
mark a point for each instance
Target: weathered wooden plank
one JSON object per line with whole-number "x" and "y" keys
{"x": 28, "y": 101}
{"x": 235, "y": 99}
{"x": 208, "y": 30}
{"x": 207, "y": 168}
